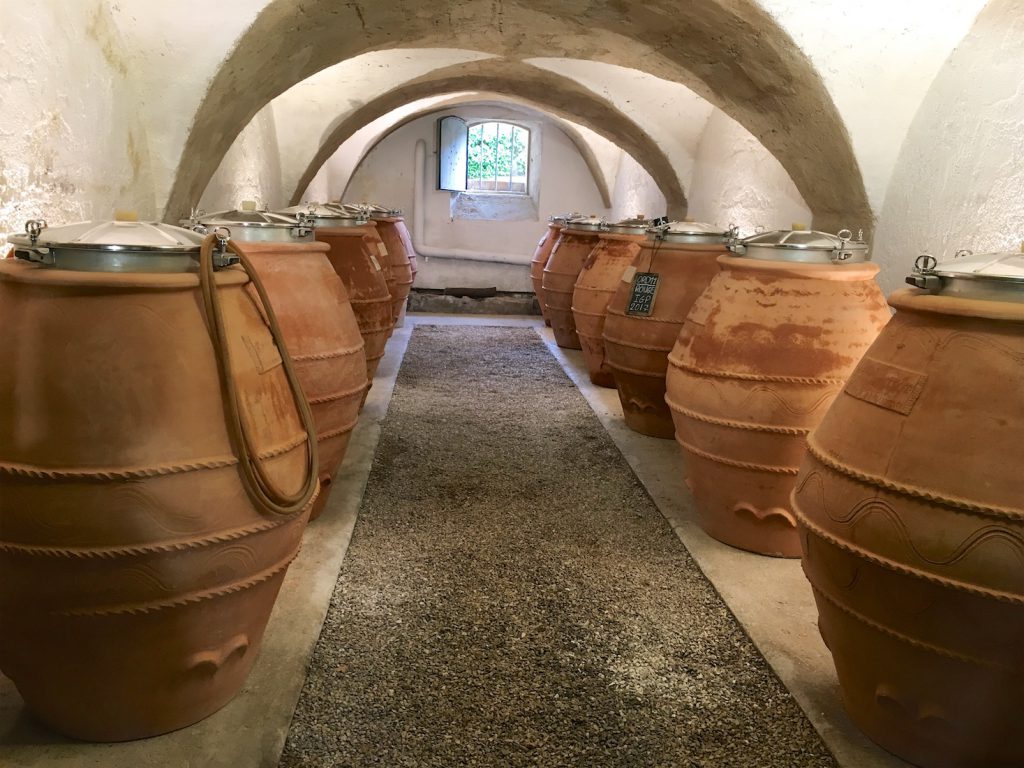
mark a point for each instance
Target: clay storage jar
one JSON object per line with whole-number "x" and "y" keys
{"x": 910, "y": 505}
{"x": 574, "y": 244}
{"x": 684, "y": 256}
{"x": 763, "y": 353}
{"x": 140, "y": 555}
{"x": 354, "y": 254}
{"x": 616, "y": 251}
{"x": 541, "y": 256}
{"x": 396, "y": 250}
{"x": 316, "y": 319}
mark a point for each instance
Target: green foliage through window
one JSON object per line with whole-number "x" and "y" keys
{"x": 498, "y": 157}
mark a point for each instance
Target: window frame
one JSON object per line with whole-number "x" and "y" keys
{"x": 528, "y": 149}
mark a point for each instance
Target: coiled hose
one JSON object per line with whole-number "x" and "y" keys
{"x": 257, "y": 484}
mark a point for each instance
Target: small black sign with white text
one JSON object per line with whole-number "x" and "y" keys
{"x": 641, "y": 299}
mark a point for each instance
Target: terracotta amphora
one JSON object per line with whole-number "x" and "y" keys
{"x": 540, "y": 259}
{"x": 570, "y": 251}
{"x": 910, "y": 504}
{"x": 355, "y": 249}
{"x": 762, "y": 355}
{"x": 683, "y": 255}
{"x": 395, "y": 250}
{"x": 316, "y": 319}
{"x": 355, "y": 259}
{"x": 375, "y": 244}
{"x": 399, "y": 260}
{"x": 402, "y": 231}
{"x": 323, "y": 340}
{"x": 138, "y": 570}
{"x": 616, "y": 251}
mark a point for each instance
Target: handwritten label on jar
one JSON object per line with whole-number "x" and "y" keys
{"x": 376, "y": 264}
{"x": 382, "y": 250}
{"x": 641, "y": 298}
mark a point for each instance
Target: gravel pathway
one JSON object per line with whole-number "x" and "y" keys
{"x": 512, "y": 597}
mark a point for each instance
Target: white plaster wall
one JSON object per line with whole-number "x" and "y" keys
{"x": 959, "y": 182}
{"x": 171, "y": 50}
{"x": 387, "y": 175}
{"x": 737, "y": 181}
{"x": 309, "y": 111}
{"x": 71, "y": 144}
{"x": 607, "y": 154}
{"x": 671, "y": 114}
{"x": 877, "y": 59}
{"x": 251, "y": 170}
{"x": 332, "y": 180}
{"x": 334, "y": 175}
{"x": 635, "y": 192}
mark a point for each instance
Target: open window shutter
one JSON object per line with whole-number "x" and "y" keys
{"x": 451, "y": 155}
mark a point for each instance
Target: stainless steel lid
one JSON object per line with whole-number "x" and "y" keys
{"x": 990, "y": 276}
{"x": 369, "y": 210}
{"x": 325, "y": 215}
{"x": 561, "y": 218}
{"x": 635, "y": 226}
{"x": 113, "y": 246}
{"x": 802, "y": 245}
{"x": 585, "y": 223}
{"x": 694, "y": 232}
{"x": 247, "y": 223}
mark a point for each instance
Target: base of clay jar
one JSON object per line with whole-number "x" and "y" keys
{"x": 927, "y": 709}
{"x": 761, "y": 539}
{"x": 566, "y": 339}
{"x": 603, "y": 379}
{"x": 198, "y": 661}
{"x": 366, "y": 393}
{"x": 742, "y": 508}
{"x": 652, "y": 425}
{"x": 326, "y": 486}
{"x": 547, "y": 322}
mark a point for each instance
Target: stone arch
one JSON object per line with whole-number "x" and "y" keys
{"x": 465, "y": 100}
{"x": 732, "y": 52}
{"x": 535, "y": 87}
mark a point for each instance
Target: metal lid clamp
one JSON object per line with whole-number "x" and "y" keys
{"x": 34, "y": 228}
{"x": 222, "y": 257}
{"x": 924, "y": 275}
{"x": 845, "y": 236}
{"x": 304, "y": 226}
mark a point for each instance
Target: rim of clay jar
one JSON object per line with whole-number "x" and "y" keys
{"x": 623, "y": 236}
{"x": 851, "y": 272}
{"x": 567, "y": 229}
{"x": 666, "y": 246}
{"x": 283, "y": 246}
{"x": 14, "y": 271}
{"x": 918, "y": 300}
{"x": 352, "y": 231}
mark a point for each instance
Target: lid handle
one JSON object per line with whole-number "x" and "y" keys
{"x": 34, "y": 228}
{"x": 733, "y": 244}
{"x": 924, "y": 276}
{"x": 222, "y": 257}
{"x": 840, "y": 253}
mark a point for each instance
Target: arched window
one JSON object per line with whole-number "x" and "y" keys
{"x": 498, "y": 157}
